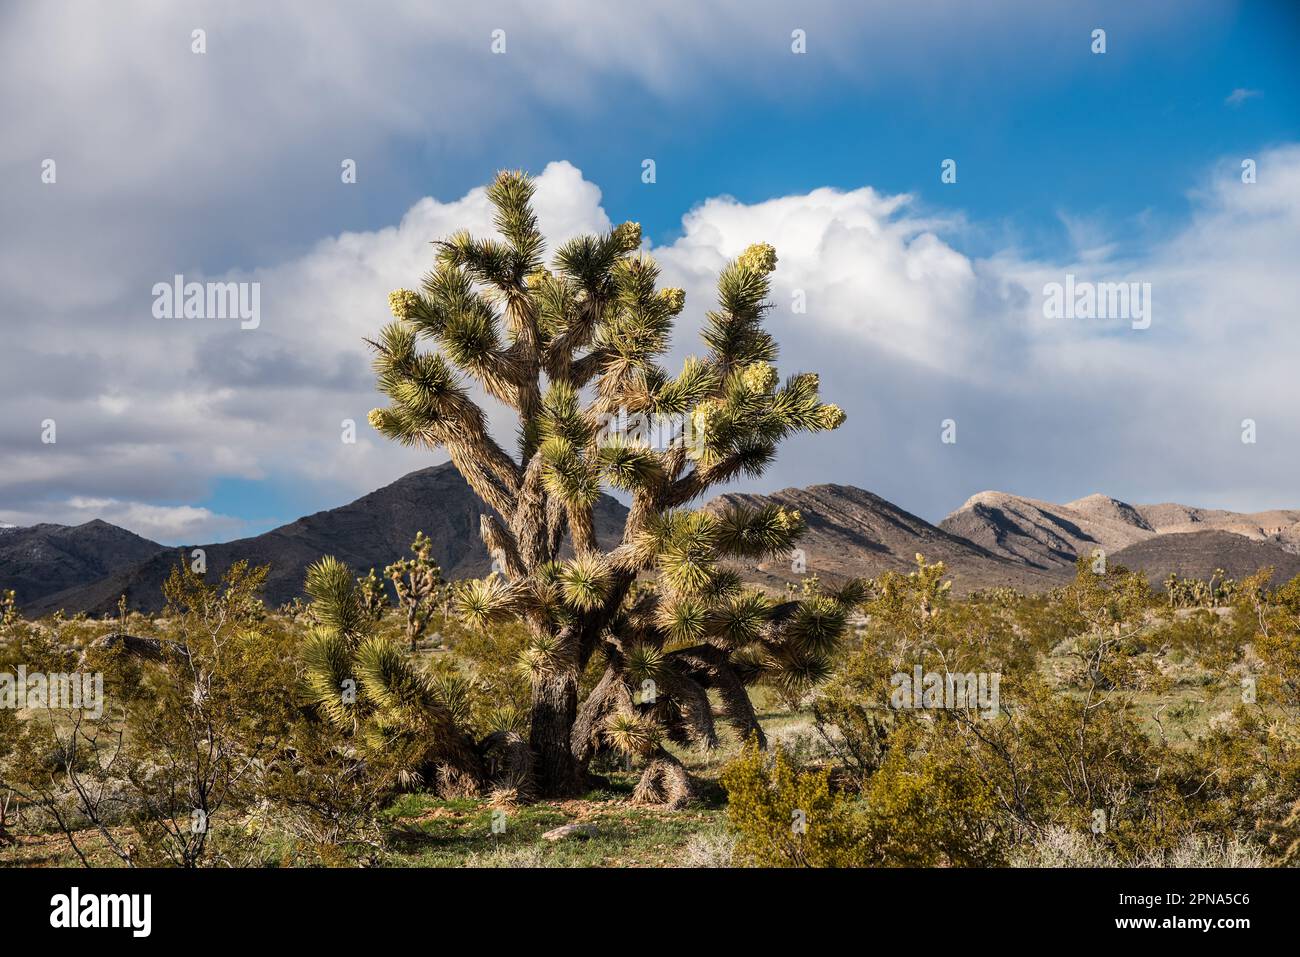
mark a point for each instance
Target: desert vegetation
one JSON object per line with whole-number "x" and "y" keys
{"x": 1128, "y": 733}
{"x": 641, "y": 703}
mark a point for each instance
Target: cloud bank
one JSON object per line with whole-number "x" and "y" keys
{"x": 225, "y": 167}
{"x": 873, "y": 291}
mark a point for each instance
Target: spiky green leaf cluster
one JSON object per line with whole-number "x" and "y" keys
{"x": 633, "y": 734}
{"x": 337, "y": 603}
{"x": 366, "y": 687}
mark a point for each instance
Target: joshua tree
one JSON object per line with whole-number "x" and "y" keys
{"x": 417, "y": 581}
{"x": 572, "y": 349}
{"x": 373, "y": 596}
{"x": 8, "y": 607}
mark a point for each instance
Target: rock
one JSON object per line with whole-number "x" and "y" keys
{"x": 579, "y": 831}
{"x": 151, "y": 649}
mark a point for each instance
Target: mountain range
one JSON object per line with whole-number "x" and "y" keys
{"x": 1044, "y": 535}
{"x": 39, "y": 560}
{"x": 994, "y": 539}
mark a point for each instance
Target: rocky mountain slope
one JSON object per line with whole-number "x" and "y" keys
{"x": 1158, "y": 539}
{"x": 39, "y": 560}
{"x": 1279, "y": 526}
{"x": 1044, "y": 535}
{"x": 853, "y": 532}
{"x": 1199, "y": 554}
{"x": 994, "y": 539}
{"x": 372, "y": 531}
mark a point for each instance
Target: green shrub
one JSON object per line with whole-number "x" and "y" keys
{"x": 787, "y": 818}
{"x": 925, "y": 808}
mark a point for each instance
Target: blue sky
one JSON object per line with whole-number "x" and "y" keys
{"x": 1053, "y": 129}
{"x": 228, "y": 163}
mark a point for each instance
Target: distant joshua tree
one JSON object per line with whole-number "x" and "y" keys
{"x": 8, "y": 607}
{"x": 573, "y": 349}
{"x": 418, "y": 582}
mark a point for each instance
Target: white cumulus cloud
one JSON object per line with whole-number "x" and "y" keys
{"x": 907, "y": 329}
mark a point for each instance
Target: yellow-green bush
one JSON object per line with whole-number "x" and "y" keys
{"x": 788, "y": 818}
{"x": 925, "y": 808}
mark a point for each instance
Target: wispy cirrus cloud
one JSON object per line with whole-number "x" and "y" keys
{"x": 1240, "y": 95}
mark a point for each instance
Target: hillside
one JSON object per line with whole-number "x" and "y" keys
{"x": 994, "y": 539}
{"x": 853, "y": 532}
{"x": 370, "y": 532}
{"x": 1277, "y": 525}
{"x": 40, "y": 560}
{"x": 1199, "y": 554}
{"x": 1041, "y": 534}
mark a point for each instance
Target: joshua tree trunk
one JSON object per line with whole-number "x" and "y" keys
{"x": 554, "y": 710}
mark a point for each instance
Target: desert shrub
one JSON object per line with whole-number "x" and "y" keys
{"x": 1199, "y": 850}
{"x": 1243, "y": 771}
{"x": 912, "y": 621}
{"x": 1277, "y": 644}
{"x": 1062, "y": 847}
{"x": 924, "y": 807}
{"x": 1068, "y": 760}
{"x": 1284, "y": 838}
{"x": 1058, "y": 846}
{"x": 8, "y": 735}
{"x": 1206, "y": 638}
{"x": 958, "y": 789}
{"x": 184, "y": 720}
{"x": 715, "y": 848}
{"x": 207, "y": 716}
{"x": 1073, "y": 749}
{"x": 1109, "y": 630}
{"x": 961, "y": 787}
{"x": 235, "y": 735}
{"x": 493, "y": 655}
{"x": 851, "y": 714}
{"x": 787, "y": 818}
{"x": 320, "y": 797}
